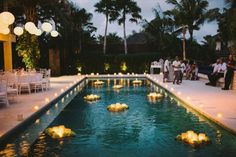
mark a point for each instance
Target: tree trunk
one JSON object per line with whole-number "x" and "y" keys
{"x": 80, "y": 41}
{"x": 105, "y": 37}
{"x": 125, "y": 41}
{"x": 191, "y": 35}
{"x": 184, "y": 44}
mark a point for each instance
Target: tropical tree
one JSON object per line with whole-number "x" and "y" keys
{"x": 188, "y": 13}
{"x": 112, "y": 38}
{"x": 106, "y": 7}
{"x": 125, "y": 8}
{"x": 158, "y": 29}
{"x": 32, "y": 11}
{"x": 81, "y": 22}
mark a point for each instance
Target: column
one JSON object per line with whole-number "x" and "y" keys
{"x": 7, "y": 55}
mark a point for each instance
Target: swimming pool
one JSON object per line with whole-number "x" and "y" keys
{"x": 146, "y": 129}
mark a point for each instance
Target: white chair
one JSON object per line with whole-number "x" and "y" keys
{"x": 46, "y": 79}
{"x": 36, "y": 82}
{"x": 24, "y": 84}
{"x": 3, "y": 94}
{"x": 10, "y": 79}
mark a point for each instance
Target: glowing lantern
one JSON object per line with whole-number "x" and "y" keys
{"x": 117, "y": 87}
{"x": 98, "y": 83}
{"x": 18, "y": 31}
{"x": 33, "y": 30}
{"x": 38, "y": 32}
{"x": 137, "y": 82}
{"x": 5, "y": 31}
{"x": 46, "y": 26}
{"x": 118, "y": 107}
{"x": 154, "y": 96}
{"x": 3, "y": 26}
{"x": 30, "y": 26}
{"x": 54, "y": 33}
{"x": 59, "y": 132}
{"x": 193, "y": 139}
{"x": 7, "y": 18}
{"x": 92, "y": 97}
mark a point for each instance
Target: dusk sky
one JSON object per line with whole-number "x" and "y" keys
{"x": 147, "y": 13}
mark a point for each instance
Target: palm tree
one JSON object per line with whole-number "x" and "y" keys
{"x": 81, "y": 22}
{"x": 189, "y": 13}
{"x": 105, "y": 7}
{"x": 124, "y": 8}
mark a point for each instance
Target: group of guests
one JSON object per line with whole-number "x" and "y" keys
{"x": 180, "y": 68}
{"x": 222, "y": 69}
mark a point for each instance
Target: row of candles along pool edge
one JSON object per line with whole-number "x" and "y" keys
{"x": 20, "y": 117}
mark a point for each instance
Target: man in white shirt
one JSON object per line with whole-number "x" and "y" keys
{"x": 166, "y": 70}
{"x": 182, "y": 70}
{"x": 218, "y": 72}
{"x": 177, "y": 68}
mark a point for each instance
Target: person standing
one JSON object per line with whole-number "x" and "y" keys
{"x": 166, "y": 70}
{"x": 182, "y": 70}
{"x": 176, "y": 65}
{"x": 229, "y": 73}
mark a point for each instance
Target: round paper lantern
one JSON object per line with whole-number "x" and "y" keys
{"x": 3, "y": 26}
{"x": 30, "y": 26}
{"x": 18, "y": 31}
{"x": 5, "y": 31}
{"x": 38, "y": 32}
{"x": 7, "y": 18}
{"x": 46, "y": 26}
{"x": 54, "y": 33}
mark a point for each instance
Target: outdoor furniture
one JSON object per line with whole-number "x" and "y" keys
{"x": 36, "y": 82}
{"x": 46, "y": 78}
{"x": 24, "y": 83}
{"x": 155, "y": 65}
{"x": 3, "y": 94}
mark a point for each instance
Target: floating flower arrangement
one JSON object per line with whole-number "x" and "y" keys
{"x": 193, "y": 139}
{"x": 118, "y": 107}
{"x": 154, "y": 96}
{"x": 58, "y": 132}
{"x": 92, "y": 97}
{"x": 137, "y": 82}
{"x": 98, "y": 83}
{"x": 117, "y": 87}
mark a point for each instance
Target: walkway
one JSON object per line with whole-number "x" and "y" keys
{"x": 214, "y": 103}
{"x": 27, "y": 104}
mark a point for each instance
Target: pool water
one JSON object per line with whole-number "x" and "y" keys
{"x": 145, "y": 130}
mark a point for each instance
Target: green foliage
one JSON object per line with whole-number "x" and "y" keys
{"x": 137, "y": 63}
{"x": 106, "y": 67}
{"x": 28, "y": 49}
{"x": 79, "y": 66}
{"x": 112, "y": 38}
{"x": 123, "y": 67}
{"x": 190, "y": 13}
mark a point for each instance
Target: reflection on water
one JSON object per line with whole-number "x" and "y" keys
{"x": 146, "y": 129}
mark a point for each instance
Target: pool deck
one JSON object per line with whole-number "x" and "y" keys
{"x": 24, "y": 104}
{"x": 212, "y": 102}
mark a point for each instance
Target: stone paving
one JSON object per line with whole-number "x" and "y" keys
{"x": 27, "y": 104}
